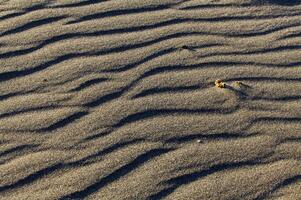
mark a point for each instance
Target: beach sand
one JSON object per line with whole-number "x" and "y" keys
{"x": 116, "y": 99}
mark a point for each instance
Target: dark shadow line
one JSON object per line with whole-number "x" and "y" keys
{"x": 284, "y": 183}
{"x": 254, "y": 52}
{"x": 35, "y": 7}
{"x": 290, "y": 36}
{"x": 79, "y": 4}
{"x": 188, "y": 178}
{"x": 16, "y": 149}
{"x": 154, "y": 91}
{"x": 281, "y": 119}
{"x": 5, "y": 76}
{"x": 216, "y": 6}
{"x": 32, "y": 24}
{"x": 145, "y": 59}
{"x": 6, "y": 96}
{"x": 155, "y": 54}
{"x": 89, "y": 83}
{"x": 32, "y": 177}
{"x": 286, "y": 98}
{"x": 12, "y": 15}
{"x": 64, "y": 121}
{"x": 277, "y": 2}
{"x": 208, "y": 136}
{"x": 105, "y": 151}
{"x": 114, "y": 13}
{"x": 104, "y": 99}
{"x": 29, "y": 110}
{"x": 162, "y": 112}
{"x": 237, "y": 18}
{"x": 262, "y": 78}
{"x": 117, "y": 174}
{"x": 97, "y": 135}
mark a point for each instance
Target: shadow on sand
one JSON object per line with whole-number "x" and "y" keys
{"x": 279, "y": 2}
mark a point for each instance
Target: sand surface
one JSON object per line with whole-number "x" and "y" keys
{"x": 115, "y": 99}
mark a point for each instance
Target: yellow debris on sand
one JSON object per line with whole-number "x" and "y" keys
{"x": 220, "y": 84}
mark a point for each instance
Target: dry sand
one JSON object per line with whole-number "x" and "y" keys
{"x": 115, "y": 99}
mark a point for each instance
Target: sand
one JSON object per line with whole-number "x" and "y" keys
{"x": 116, "y": 99}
